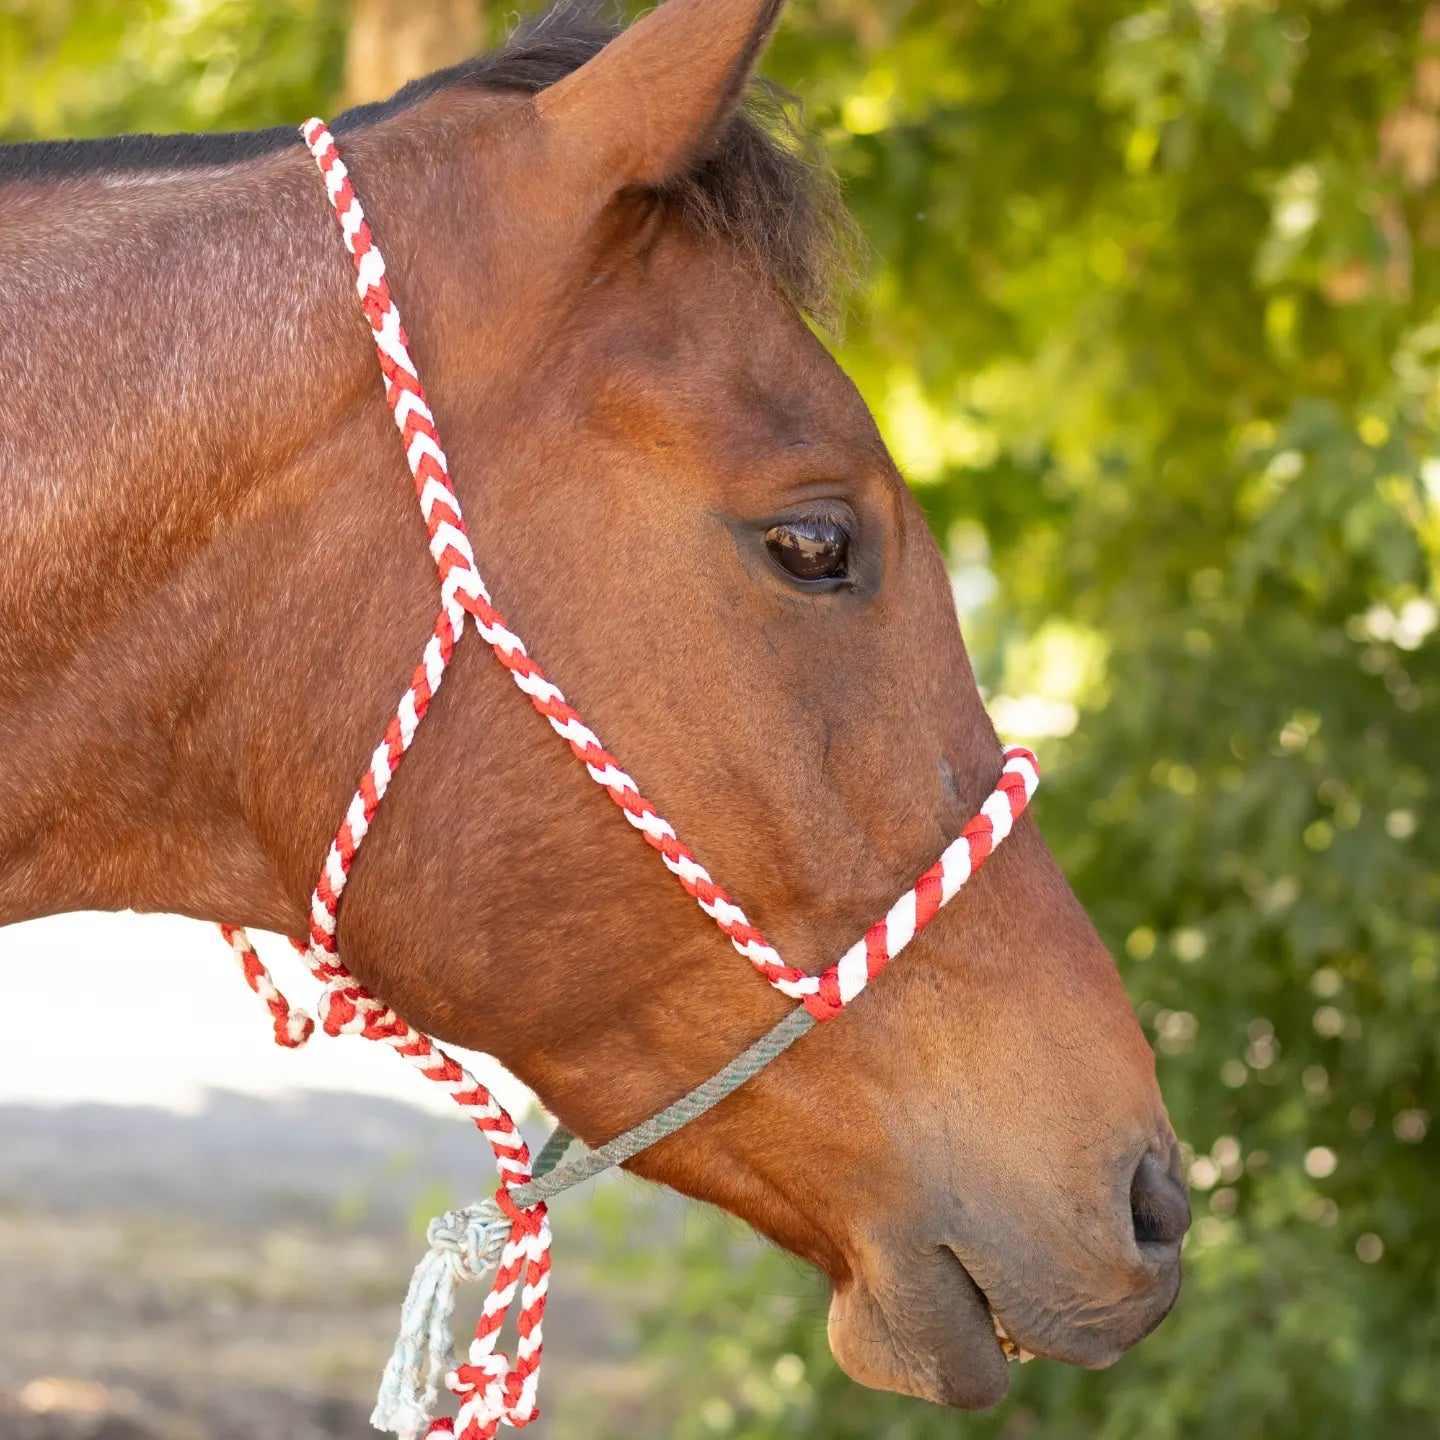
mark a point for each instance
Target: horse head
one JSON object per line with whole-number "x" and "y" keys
{"x": 686, "y": 509}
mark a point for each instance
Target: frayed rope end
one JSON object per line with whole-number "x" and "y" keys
{"x": 465, "y": 1245}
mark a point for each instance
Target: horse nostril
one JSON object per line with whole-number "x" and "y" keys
{"x": 1159, "y": 1207}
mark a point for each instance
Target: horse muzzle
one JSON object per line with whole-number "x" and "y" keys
{"x": 942, "y": 1321}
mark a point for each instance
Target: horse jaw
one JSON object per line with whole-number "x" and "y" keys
{"x": 922, "y": 1329}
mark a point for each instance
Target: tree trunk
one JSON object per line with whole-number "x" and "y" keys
{"x": 392, "y": 41}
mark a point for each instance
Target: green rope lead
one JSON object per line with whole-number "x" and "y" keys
{"x": 550, "y": 1180}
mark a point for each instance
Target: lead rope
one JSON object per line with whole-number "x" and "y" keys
{"x": 511, "y": 1233}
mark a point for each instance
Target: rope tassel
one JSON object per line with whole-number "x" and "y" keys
{"x": 512, "y": 1238}
{"x": 465, "y": 1245}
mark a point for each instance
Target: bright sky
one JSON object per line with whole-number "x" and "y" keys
{"x": 152, "y": 1010}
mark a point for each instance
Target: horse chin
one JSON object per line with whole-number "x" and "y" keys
{"x": 926, "y": 1332}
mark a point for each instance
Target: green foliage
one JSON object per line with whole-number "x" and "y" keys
{"x": 1154, "y": 325}
{"x": 102, "y": 67}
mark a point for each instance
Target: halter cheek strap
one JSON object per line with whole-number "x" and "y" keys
{"x": 511, "y": 1234}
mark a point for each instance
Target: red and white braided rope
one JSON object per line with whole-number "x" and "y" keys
{"x": 460, "y": 584}
{"x": 292, "y": 1027}
{"x": 491, "y": 1389}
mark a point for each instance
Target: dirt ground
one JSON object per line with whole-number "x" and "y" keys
{"x": 237, "y": 1274}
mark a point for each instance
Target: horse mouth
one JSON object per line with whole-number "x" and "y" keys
{"x": 1008, "y": 1348}
{"x": 1093, "y": 1347}
{"x": 923, "y": 1327}
{"x": 1013, "y": 1352}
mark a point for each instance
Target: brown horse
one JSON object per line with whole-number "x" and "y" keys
{"x": 213, "y": 586}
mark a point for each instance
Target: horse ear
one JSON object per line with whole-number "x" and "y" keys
{"x": 647, "y": 106}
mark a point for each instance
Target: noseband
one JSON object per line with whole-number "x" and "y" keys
{"x": 511, "y": 1233}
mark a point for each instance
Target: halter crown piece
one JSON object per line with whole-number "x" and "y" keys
{"x": 511, "y": 1234}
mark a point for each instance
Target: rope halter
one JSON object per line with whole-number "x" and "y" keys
{"x": 510, "y": 1234}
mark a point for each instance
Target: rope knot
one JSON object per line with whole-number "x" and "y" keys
{"x": 484, "y": 1377}
{"x": 526, "y": 1222}
{"x": 293, "y": 1029}
{"x": 350, "y": 1009}
{"x": 470, "y": 1240}
{"x": 339, "y": 1008}
{"x": 491, "y": 1393}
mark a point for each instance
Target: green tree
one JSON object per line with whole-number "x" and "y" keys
{"x": 103, "y": 67}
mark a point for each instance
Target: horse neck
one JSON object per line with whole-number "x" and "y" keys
{"x": 182, "y": 364}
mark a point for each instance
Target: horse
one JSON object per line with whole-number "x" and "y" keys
{"x": 213, "y": 586}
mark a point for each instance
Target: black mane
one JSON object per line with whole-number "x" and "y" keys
{"x": 763, "y": 184}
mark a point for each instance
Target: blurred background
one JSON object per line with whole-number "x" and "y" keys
{"x": 1151, "y": 319}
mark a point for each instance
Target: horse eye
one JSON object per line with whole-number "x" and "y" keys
{"x": 811, "y": 549}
